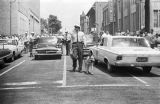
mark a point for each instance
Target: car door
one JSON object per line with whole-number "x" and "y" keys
{"x": 15, "y": 43}
{"x": 102, "y": 51}
{"x": 20, "y": 46}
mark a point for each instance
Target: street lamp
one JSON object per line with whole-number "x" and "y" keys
{"x": 10, "y": 3}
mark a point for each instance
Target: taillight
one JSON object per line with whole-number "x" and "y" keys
{"x": 119, "y": 57}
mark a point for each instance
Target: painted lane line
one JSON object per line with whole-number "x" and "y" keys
{"x": 64, "y": 72}
{"x": 142, "y": 81}
{"x": 21, "y": 83}
{"x": 18, "y": 88}
{"x": 11, "y": 68}
{"x": 103, "y": 85}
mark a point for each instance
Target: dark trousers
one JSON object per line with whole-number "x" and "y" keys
{"x": 77, "y": 49}
{"x": 68, "y": 47}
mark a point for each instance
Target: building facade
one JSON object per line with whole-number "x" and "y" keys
{"x": 95, "y": 15}
{"x": 84, "y": 23}
{"x": 127, "y": 15}
{"x": 19, "y": 16}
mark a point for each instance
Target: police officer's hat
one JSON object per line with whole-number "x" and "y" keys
{"x": 77, "y": 26}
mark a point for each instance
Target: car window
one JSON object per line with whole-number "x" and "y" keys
{"x": 129, "y": 42}
{"x": 48, "y": 40}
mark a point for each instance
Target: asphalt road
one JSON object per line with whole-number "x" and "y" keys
{"x": 29, "y": 81}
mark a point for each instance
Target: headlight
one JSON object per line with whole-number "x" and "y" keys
{"x": 119, "y": 57}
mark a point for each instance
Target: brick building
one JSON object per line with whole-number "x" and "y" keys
{"x": 95, "y": 15}
{"x": 19, "y": 16}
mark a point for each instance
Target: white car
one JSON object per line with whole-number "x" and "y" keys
{"x": 126, "y": 51}
{"x": 14, "y": 46}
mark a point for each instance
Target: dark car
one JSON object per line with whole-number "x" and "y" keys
{"x": 5, "y": 54}
{"x": 48, "y": 47}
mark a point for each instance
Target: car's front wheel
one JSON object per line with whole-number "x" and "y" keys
{"x": 110, "y": 67}
{"x": 36, "y": 57}
{"x": 147, "y": 69}
{"x": 12, "y": 58}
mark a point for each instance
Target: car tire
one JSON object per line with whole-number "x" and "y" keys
{"x": 36, "y": 57}
{"x": 20, "y": 55}
{"x": 12, "y": 58}
{"x": 60, "y": 56}
{"x": 110, "y": 67}
{"x": 147, "y": 69}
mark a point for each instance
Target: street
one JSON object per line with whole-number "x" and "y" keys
{"x": 29, "y": 81}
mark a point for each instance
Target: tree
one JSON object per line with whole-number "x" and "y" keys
{"x": 54, "y": 24}
{"x": 44, "y": 25}
{"x": 147, "y": 15}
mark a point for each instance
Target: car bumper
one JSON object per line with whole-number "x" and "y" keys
{"x": 139, "y": 64}
{"x": 47, "y": 54}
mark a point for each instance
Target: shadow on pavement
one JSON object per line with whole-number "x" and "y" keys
{"x": 125, "y": 71}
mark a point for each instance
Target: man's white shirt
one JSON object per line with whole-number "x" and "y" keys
{"x": 81, "y": 37}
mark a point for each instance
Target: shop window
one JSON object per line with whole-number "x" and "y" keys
{"x": 155, "y": 18}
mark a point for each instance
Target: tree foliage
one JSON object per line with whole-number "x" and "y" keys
{"x": 54, "y": 24}
{"x": 44, "y": 25}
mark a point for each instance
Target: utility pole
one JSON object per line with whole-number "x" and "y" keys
{"x": 10, "y": 4}
{"x": 147, "y": 15}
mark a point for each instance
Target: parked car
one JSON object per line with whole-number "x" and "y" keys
{"x": 48, "y": 46}
{"x": 126, "y": 51}
{"x": 5, "y": 54}
{"x": 14, "y": 46}
{"x": 88, "y": 43}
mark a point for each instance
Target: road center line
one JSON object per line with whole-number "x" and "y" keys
{"x": 142, "y": 81}
{"x": 64, "y": 72}
{"x": 11, "y": 68}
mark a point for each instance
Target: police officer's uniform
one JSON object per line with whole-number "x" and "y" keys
{"x": 77, "y": 40}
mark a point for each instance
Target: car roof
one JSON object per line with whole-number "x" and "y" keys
{"x": 7, "y": 39}
{"x": 122, "y": 37}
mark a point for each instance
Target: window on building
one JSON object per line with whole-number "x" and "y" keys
{"x": 155, "y": 18}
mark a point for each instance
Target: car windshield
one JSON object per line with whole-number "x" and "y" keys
{"x": 48, "y": 40}
{"x": 6, "y": 42}
{"x": 89, "y": 40}
{"x": 129, "y": 42}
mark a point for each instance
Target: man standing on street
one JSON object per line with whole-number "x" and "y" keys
{"x": 77, "y": 40}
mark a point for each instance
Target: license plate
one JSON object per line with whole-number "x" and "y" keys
{"x": 50, "y": 51}
{"x": 142, "y": 59}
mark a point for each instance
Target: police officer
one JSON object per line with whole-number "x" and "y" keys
{"x": 68, "y": 40}
{"x": 77, "y": 40}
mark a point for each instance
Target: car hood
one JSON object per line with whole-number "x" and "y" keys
{"x": 135, "y": 51}
{"x": 48, "y": 48}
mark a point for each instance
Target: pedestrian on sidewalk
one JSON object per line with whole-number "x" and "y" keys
{"x": 31, "y": 47}
{"x": 77, "y": 40}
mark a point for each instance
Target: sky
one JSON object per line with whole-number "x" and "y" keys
{"x": 67, "y": 11}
